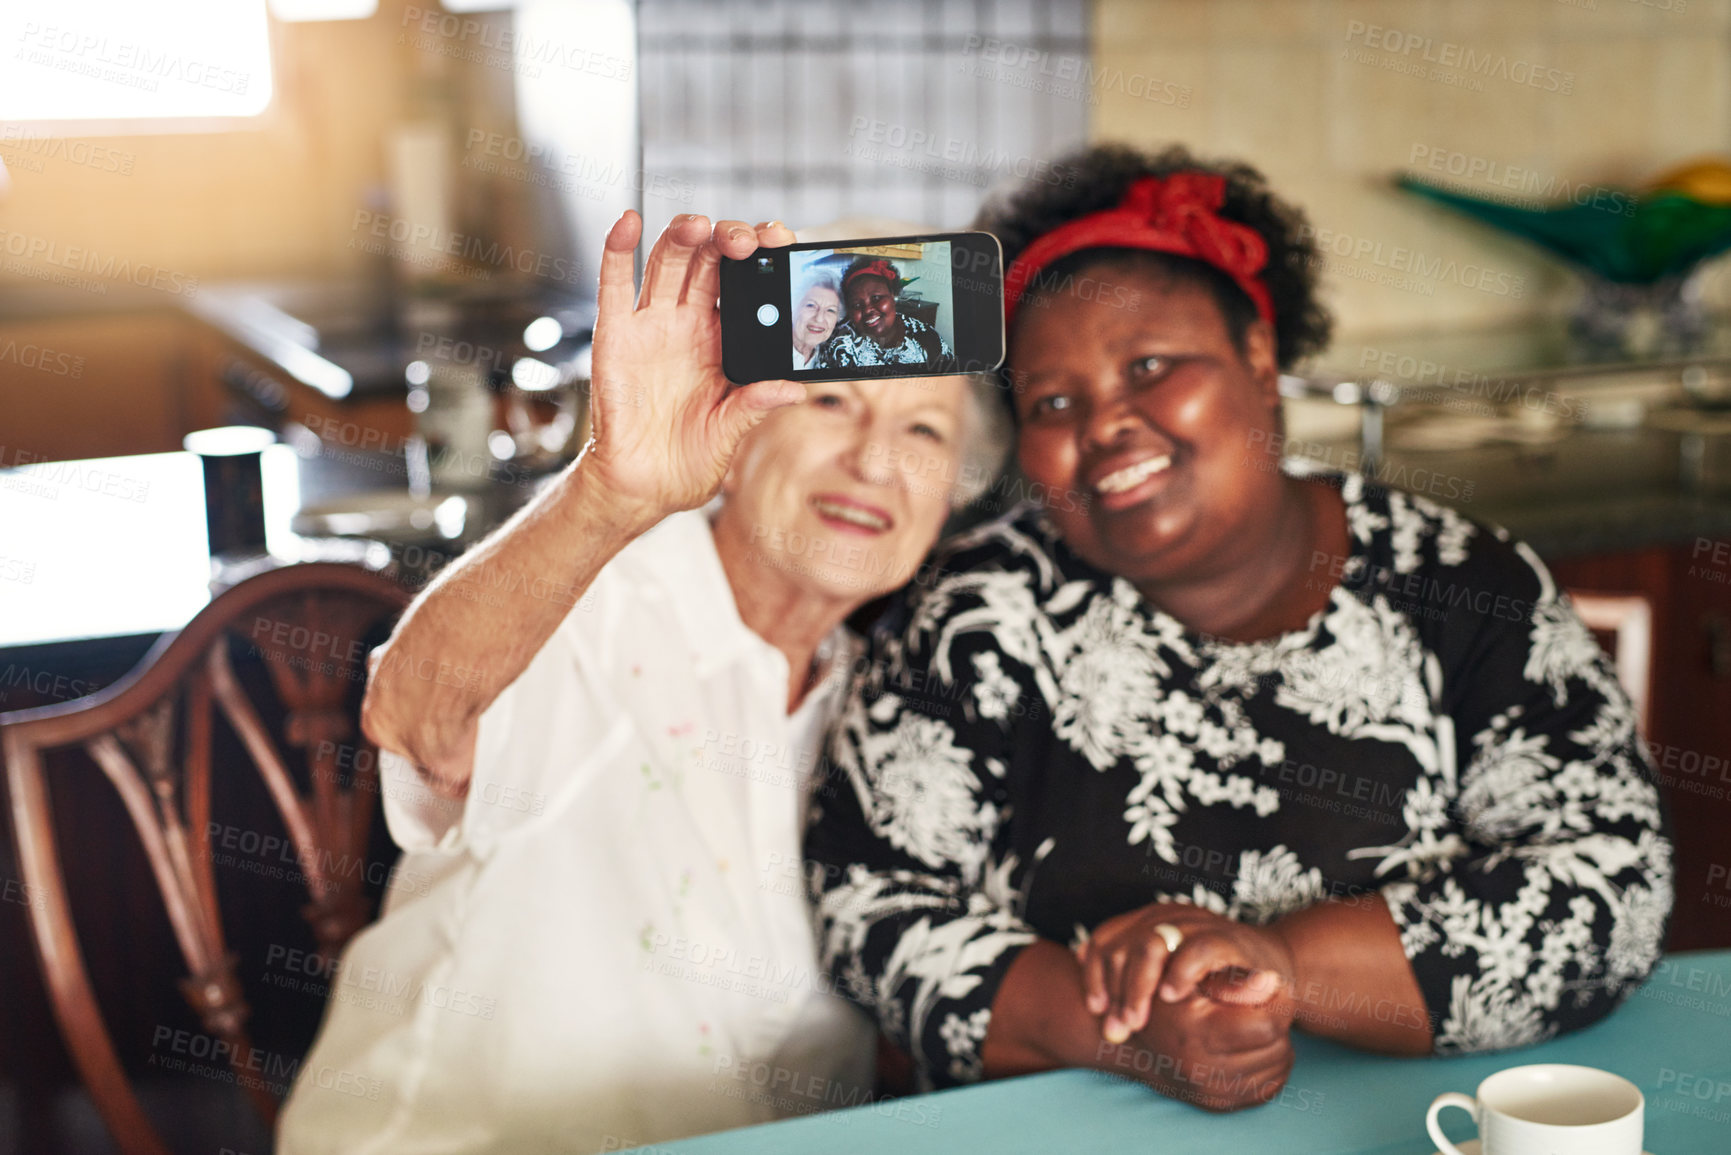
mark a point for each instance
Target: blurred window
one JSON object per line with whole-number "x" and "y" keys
{"x": 809, "y": 111}
{"x": 130, "y": 65}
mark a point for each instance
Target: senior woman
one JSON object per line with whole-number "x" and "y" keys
{"x": 815, "y": 319}
{"x": 596, "y": 937}
{"x": 876, "y": 331}
{"x": 1209, "y": 744}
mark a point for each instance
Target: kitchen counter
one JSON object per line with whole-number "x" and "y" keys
{"x": 1592, "y": 491}
{"x": 1556, "y": 441}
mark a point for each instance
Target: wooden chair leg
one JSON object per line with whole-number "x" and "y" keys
{"x": 62, "y": 961}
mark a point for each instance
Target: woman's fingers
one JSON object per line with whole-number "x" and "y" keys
{"x": 1195, "y": 959}
{"x": 1252, "y": 990}
{"x": 734, "y": 240}
{"x": 1143, "y": 966}
{"x": 774, "y": 235}
{"x": 1114, "y": 1030}
{"x": 1242, "y": 1032}
{"x": 1093, "y": 958}
{"x": 618, "y": 272}
{"x": 664, "y": 274}
{"x": 749, "y": 404}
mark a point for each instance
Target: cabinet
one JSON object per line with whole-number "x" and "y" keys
{"x": 1689, "y": 712}
{"x": 112, "y": 385}
{"x": 100, "y": 386}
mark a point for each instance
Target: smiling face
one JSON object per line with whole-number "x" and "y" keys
{"x": 816, "y": 318}
{"x": 871, "y": 306}
{"x": 1154, "y": 424}
{"x": 845, "y": 493}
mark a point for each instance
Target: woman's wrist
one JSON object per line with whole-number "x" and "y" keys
{"x": 1040, "y": 1021}
{"x": 598, "y": 512}
{"x": 1285, "y": 950}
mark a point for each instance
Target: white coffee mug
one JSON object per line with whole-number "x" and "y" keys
{"x": 1547, "y": 1109}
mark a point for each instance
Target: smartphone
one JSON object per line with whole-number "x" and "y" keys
{"x": 847, "y": 310}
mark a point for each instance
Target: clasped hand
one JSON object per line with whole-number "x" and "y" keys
{"x": 1209, "y": 1022}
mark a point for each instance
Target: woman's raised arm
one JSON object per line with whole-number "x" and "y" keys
{"x": 665, "y": 423}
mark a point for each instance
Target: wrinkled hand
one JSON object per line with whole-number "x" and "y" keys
{"x": 664, "y": 420}
{"x": 1125, "y": 960}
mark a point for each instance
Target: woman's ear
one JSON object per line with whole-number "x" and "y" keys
{"x": 1262, "y": 356}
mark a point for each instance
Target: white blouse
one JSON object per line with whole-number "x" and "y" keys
{"x": 607, "y": 943}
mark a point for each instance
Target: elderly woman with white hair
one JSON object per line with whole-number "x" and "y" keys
{"x": 815, "y": 319}
{"x": 598, "y": 935}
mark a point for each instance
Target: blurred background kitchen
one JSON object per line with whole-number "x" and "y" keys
{"x": 352, "y": 245}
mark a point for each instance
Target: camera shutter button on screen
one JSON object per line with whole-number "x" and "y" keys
{"x": 767, "y": 314}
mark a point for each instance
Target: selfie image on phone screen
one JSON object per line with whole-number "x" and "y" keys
{"x": 884, "y": 307}
{"x": 874, "y": 305}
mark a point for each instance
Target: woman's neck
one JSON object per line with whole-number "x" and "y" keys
{"x": 1275, "y": 588}
{"x": 792, "y": 618}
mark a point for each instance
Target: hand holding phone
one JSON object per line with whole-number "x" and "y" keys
{"x": 844, "y": 310}
{"x": 664, "y": 420}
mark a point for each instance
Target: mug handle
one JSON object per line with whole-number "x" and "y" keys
{"x": 1448, "y": 1099}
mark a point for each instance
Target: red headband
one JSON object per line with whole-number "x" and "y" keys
{"x": 1178, "y": 215}
{"x": 878, "y": 268}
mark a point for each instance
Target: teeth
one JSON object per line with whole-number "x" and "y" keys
{"x": 852, "y": 514}
{"x": 1132, "y": 475}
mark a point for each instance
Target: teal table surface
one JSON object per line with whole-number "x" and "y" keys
{"x": 1672, "y": 1039}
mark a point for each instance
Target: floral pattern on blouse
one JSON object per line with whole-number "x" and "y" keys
{"x": 1034, "y": 749}
{"x": 921, "y": 344}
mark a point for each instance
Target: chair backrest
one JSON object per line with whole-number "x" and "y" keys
{"x": 306, "y": 625}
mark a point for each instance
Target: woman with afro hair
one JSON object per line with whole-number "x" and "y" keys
{"x": 1201, "y": 745}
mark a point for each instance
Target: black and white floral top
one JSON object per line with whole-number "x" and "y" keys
{"x": 921, "y": 344}
{"x": 1035, "y": 749}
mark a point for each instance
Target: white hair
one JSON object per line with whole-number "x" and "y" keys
{"x": 822, "y": 277}
{"x": 986, "y": 427}
{"x": 985, "y": 443}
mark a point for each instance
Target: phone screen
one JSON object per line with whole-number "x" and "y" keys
{"x": 906, "y": 306}
{"x": 874, "y": 305}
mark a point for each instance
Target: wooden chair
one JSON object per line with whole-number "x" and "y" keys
{"x": 306, "y": 624}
